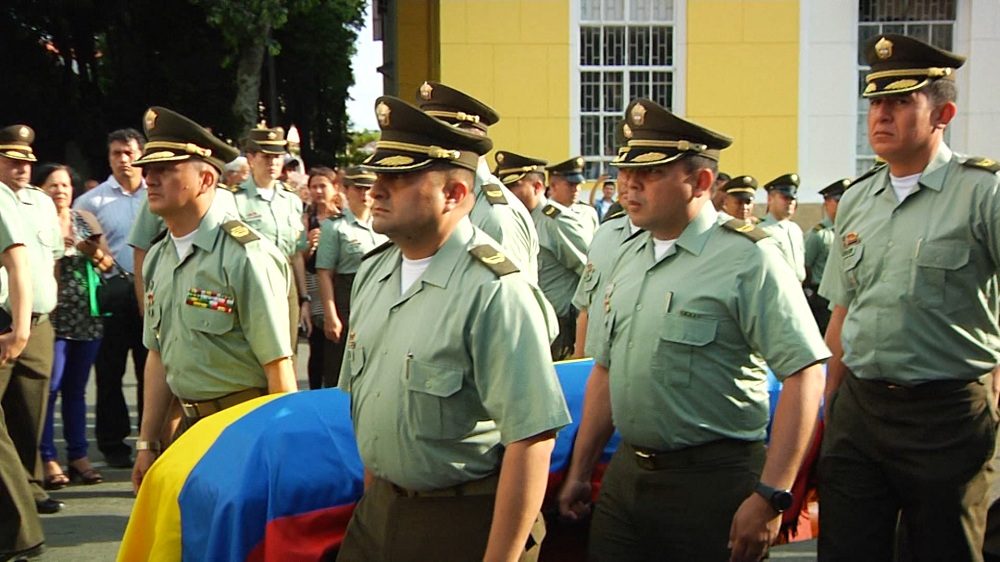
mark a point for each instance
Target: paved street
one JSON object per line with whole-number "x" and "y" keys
{"x": 90, "y": 528}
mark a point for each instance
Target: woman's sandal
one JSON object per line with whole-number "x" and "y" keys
{"x": 56, "y": 481}
{"x": 88, "y": 477}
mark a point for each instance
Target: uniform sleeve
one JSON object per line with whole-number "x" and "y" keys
{"x": 988, "y": 226}
{"x": 812, "y": 249}
{"x": 328, "y": 250}
{"x": 260, "y": 282}
{"x": 773, "y": 313}
{"x": 510, "y": 353}
{"x": 11, "y": 228}
{"x": 145, "y": 228}
{"x": 834, "y": 286}
{"x": 55, "y": 230}
{"x": 151, "y": 312}
{"x": 570, "y": 243}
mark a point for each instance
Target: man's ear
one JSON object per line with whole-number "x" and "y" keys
{"x": 943, "y": 114}
{"x": 209, "y": 179}
{"x": 456, "y": 190}
{"x": 704, "y": 179}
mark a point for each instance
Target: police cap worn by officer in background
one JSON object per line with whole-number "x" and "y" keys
{"x": 356, "y": 175}
{"x": 743, "y": 187}
{"x": 512, "y": 167}
{"x": 15, "y": 143}
{"x": 656, "y": 137}
{"x": 787, "y": 184}
{"x": 455, "y": 107}
{"x": 571, "y": 170}
{"x": 268, "y": 141}
{"x": 173, "y": 137}
{"x": 835, "y": 189}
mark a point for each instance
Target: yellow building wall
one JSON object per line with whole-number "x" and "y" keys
{"x": 742, "y": 80}
{"x": 514, "y": 56}
{"x": 417, "y": 46}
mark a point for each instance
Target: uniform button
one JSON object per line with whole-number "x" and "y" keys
{"x": 631, "y": 345}
{"x": 378, "y": 395}
{"x": 638, "y": 307}
{"x": 427, "y": 384}
{"x": 889, "y": 244}
{"x": 205, "y": 323}
{"x": 649, "y": 273}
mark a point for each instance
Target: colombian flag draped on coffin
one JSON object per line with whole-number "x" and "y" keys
{"x": 274, "y": 479}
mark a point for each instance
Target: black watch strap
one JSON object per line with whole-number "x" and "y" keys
{"x": 780, "y": 500}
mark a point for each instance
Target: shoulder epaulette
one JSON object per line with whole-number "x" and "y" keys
{"x": 377, "y": 250}
{"x": 289, "y": 188}
{"x": 614, "y": 215}
{"x": 160, "y": 236}
{"x": 746, "y": 229}
{"x": 229, "y": 188}
{"x": 871, "y": 172}
{"x": 551, "y": 210}
{"x": 336, "y": 217}
{"x": 494, "y": 194}
{"x": 981, "y": 163}
{"x": 240, "y": 231}
{"x": 494, "y": 259}
{"x": 818, "y": 227}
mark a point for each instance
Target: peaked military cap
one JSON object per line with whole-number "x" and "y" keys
{"x": 836, "y": 189}
{"x": 656, "y": 137}
{"x": 356, "y": 175}
{"x": 413, "y": 140}
{"x": 454, "y": 106}
{"x": 268, "y": 141}
{"x": 15, "y": 143}
{"x": 571, "y": 169}
{"x": 173, "y": 137}
{"x": 512, "y": 167}
{"x": 787, "y": 184}
{"x": 902, "y": 64}
{"x": 741, "y": 186}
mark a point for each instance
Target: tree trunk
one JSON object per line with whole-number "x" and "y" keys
{"x": 248, "y": 69}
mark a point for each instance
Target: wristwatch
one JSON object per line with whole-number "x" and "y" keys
{"x": 303, "y": 299}
{"x": 143, "y": 445}
{"x": 780, "y": 500}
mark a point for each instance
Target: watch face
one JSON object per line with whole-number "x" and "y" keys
{"x": 781, "y": 500}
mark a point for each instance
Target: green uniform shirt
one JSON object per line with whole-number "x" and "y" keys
{"x": 919, "y": 278}
{"x": 562, "y": 255}
{"x": 588, "y": 216}
{"x": 343, "y": 241}
{"x": 818, "y": 244}
{"x": 499, "y": 213}
{"x": 148, "y": 226}
{"x": 279, "y": 220}
{"x": 686, "y": 335}
{"x": 42, "y": 236}
{"x": 789, "y": 238}
{"x": 214, "y": 316}
{"x": 12, "y": 232}
{"x": 604, "y": 251}
{"x": 444, "y": 375}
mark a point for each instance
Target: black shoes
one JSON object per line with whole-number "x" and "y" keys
{"x": 49, "y": 506}
{"x": 119, "y": 459}
{"x": 23, "y": 555}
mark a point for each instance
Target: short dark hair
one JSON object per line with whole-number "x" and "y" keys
{"x": 941, "y": 92}
{"x": 125, "y": 135}
{"x": 697, "y": 162}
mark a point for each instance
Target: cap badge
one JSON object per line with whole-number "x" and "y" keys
{"x": 23, "y": 132}
{"x": 794, "y": 177}
{"x": 499, "y": 157}
{"x": 627, "y": 131}
{"x": 638, "y": 114}
{"x": 425, "y": 91}
{"x": 271, "y": 135}
{"x": 883, "y": 49}
{"x": 579, "y": 162}
{"x": 382, "y": 112}
{"x": 150, "y": 119}
{"x": 395, "y": 161}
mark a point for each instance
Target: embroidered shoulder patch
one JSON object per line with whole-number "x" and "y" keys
{"x": 551, "y": 211}
{"x": 746, "y": 229}
{"x": 230, "y": 188}
{"x": 240, "y": 231}
{"x": 494, "y": 194}
{"x": 494, "y": 259}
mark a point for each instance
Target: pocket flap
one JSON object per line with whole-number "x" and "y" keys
{"x": 943, "y": 255}
{"x": 688, "y": 330}
{"x": 356, "y": 358}
{"x": 436, "y": 380}
{"x": 207, "y": 320}
{"x": 851, "y": 256}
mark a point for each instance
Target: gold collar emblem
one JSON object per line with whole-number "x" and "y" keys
{"x": 883, "y": 49}
{"x": 638, "y": 114}
{"x": 425, "y": 91}
{"x": 382, "y": 112}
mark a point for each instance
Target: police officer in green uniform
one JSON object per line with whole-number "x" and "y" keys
{"x": 24, "y": 383}
{"x": 782, "y": 192}
{"x": 456, "y": 451}
{"x": 497, "y": 211}
{"x": 216, "y": 334}
{"x": 564, "y": 186}
{"x": 817, "y": 248}
{"x": 738, "y": 202}
{"x": 912, "y": 386}
{"x": 615, "y": 230}
{"x": 691, "y": 308}
{"x": 563, "y": 239}
{"x": 20, "y": 528}
{"x": 343, "y": 240}
{"x": 275, "y": 211}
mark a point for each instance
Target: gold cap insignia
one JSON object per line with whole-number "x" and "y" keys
{"x": 150, "y": 119}
{"x": 638, "y": 114}
{"x": 23, "y": 132}
{"x": 500, "y": 158}
{"x": 425, "y": 91}
{"x": 395, "y": 161}
{"x": 794, "y": 177}
{"x": 579, "y": 162}
{"x": 883, "y": 49}
{"x": 271, "y": 135}
{"x": 382, "y": 112}
{"x": 627, "y": 131}
{"x": 649, "y": 157}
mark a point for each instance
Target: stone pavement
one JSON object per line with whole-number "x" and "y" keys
{"x": 90, "y": 528}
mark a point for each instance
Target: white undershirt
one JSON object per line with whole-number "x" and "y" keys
{"x": 183, "y": 244}
{"x": 266, "y": 193}
{"x": 661, "y": 247}
{"x": 412, "y": 270}
{"x": 904, "y": 186}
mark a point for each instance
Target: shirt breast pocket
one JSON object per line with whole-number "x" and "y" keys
{"x": 207, "y": 320}
{"x": 680, "y": 342}
{"x": 354, "y": 364}
{"x": 937, "y": 266}
{"x": 434, "y": 410}
{"x": 851, "y": 257}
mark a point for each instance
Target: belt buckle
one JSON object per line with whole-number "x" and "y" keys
{"x": 644, "y": 455}
{"x": 645, "y": 460}
{"x": 190, "y": 409}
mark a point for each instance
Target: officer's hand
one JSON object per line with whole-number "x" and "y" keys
{"x": 143, "y": 460}
{"x": 10, "y": 347}
{"x": 754, "y": 528}
{"x": 305, "y": 315}
{"x": 332, "y": 328}
{"x": 996, "y": 386}
{"x": 313, "y": 238}
{"x": 574, "y": 499}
